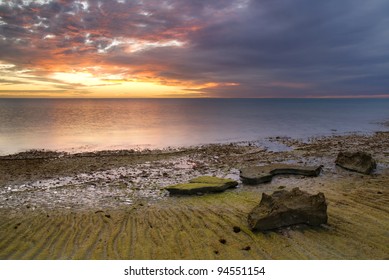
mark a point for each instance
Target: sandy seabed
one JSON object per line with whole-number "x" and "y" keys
{"x": 112, "y": 204}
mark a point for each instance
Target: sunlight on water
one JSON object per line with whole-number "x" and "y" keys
{"x": 92, "y": 124}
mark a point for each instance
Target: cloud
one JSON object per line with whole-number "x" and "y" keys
{"x": 279, "y": 48}
{"x": 11, "y": 82}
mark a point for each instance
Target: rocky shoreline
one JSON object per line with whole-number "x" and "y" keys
{"x": 114, "y": 205}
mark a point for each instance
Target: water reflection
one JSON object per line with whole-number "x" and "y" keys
{"x": 92, "y": 124}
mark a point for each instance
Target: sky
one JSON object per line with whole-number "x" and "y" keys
{"x": 197, "y": 48}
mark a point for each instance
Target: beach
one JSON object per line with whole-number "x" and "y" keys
{"x": 248, "y": 131}
{"x": 113, "y": 205}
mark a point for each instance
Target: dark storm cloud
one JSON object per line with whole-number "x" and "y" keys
{"x": 268, "y": 47}
{"x": 334, "y": 47}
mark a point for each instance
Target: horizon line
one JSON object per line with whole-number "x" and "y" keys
{"x": 204, "y": 97}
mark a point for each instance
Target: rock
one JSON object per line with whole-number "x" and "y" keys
{"x": 356, "y": 161}
{"x": 236, "y": 229}
{"x": 262, "y": 174}
{"x": 203, "y": 184}
{"x": 286, "y": 208}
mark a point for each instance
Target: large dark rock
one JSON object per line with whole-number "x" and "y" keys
{"x": 286, "y": 208}
{"x": 356, "y": 161}
{"x": 203, "y": 184}
{"x": 262, "y": 174}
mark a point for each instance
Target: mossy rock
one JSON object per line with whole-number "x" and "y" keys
{"x": 203, "y": 184}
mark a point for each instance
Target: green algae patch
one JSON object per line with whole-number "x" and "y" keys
{"x": 203, "y": 184}
{"x": 211, "y": 180}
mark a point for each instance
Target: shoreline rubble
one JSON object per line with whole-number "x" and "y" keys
{"x": 57, "y": 198}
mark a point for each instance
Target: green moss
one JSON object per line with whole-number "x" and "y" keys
{"x": 210, "y": 180}
{"x": 190, "y": 186}
{"x": 203, "y": 184}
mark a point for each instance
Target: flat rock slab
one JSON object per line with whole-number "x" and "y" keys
{"x": 203, "y": 184}
{"x": 356, "y": 161}
{"x": 262, "y": 174}
{"x": 285, "y": 208}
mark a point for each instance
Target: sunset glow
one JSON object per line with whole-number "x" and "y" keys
{"x": 234, "y": 48}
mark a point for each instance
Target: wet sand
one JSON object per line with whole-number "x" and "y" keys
{"x": 112, "y": 205}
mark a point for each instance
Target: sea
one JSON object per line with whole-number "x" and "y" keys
{"x": 79, "y": 125}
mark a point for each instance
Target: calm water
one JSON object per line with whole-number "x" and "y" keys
{"x": 94, "y": 124}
